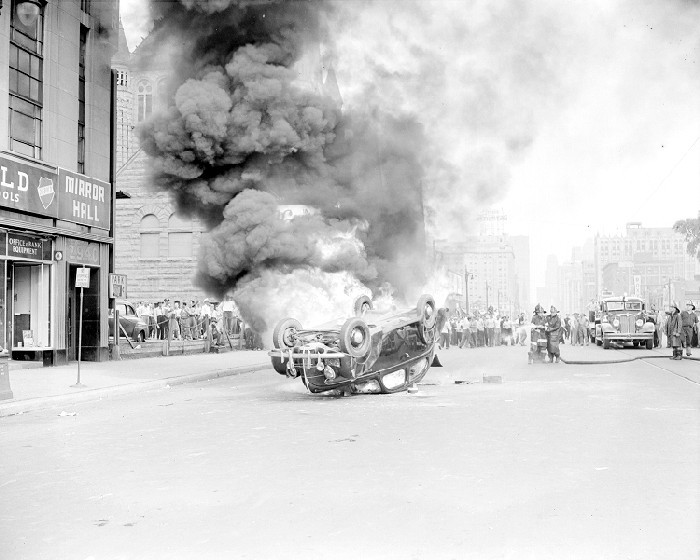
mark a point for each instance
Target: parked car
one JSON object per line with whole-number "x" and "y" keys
{"x": 131, "y": 323}
{"x": 624, "y": 319}
{"x": 371, "y": 352}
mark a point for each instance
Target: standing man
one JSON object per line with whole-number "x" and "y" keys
{"x": 489, "y": 325}
{"x": 464, "y": 328}
{"x": 445, "y": 335}
{"x": 690, "y": 326}
{"x": 674, "y": 330}
{"x": 480, "y": 332}
{"x": 553, "y": 332}
{"x": 228, "y": 307}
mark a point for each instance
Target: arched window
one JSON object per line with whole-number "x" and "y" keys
{"x": 179, "y": 237}
{"x": 145, "y": 101}
{"x": 149, "y": 234}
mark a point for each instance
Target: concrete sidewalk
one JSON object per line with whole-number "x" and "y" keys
{"x": 36, "y": 388}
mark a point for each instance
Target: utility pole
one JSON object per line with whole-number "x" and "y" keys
{"x": 466, "y": 290}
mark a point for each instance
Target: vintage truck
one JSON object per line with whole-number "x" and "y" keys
{"x": 624, "y": 319}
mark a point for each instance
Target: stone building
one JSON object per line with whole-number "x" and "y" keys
{"x": 56, "y": 196}
{"x": 155, "y": 247}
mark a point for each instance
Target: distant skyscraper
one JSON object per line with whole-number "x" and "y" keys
{"x": 492, "y": 222}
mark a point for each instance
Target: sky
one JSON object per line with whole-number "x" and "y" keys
{"x": 574, "y": 118}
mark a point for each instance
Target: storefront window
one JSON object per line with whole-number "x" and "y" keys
{"x": 3, "y": 298}
{"x": 32, "y": 303}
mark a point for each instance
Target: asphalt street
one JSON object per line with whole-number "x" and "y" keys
{"x": 555, "y": 461}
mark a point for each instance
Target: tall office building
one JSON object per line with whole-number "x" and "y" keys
{"x": 56, "y": 199}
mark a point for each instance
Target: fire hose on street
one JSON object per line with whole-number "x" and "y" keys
{"x": 597, "y": 362}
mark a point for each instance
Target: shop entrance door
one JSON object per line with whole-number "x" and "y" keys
{"x": 91, "y": 317}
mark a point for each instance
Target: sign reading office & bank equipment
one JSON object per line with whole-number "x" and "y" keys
{"x": 62, "y": 194}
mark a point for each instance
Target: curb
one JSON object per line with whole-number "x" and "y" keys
{"x": 40, "y": 403}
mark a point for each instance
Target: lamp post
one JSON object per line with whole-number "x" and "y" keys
{"x": 467, "y": 276}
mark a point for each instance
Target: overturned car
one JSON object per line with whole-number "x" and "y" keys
{"x": 371, "y": 352}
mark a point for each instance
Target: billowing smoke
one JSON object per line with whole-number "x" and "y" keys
{"x": 399, "y": 142}
{"x": 246, "y": 133}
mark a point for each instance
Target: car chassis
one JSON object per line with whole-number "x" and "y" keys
{"x": 371, "y": 352}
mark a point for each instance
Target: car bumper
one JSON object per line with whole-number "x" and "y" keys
{"x": 628, "y": 337}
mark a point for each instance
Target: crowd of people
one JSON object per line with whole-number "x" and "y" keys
{"x": 488, "y": 329}
{"x": 189, "y": 320}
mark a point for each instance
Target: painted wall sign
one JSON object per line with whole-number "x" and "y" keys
{"x": 84, "y": 200}
{"x": 28, "y": 247}
{"x": 82, "y": 252}
{"x": 117, "y": 285}
{"x": 28, "y": 188}
{"x": 64, "y": 195}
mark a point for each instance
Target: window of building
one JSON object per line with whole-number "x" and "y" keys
{"x": 122, "y": 78}
{"x": 26, "y": 85}
{"x": 149, "y": 234}
{"x": 32, "y": 304}
{"x": 179, "y": 237}
{"x": 81, "y": 99}
{"x": 145, "y": 101}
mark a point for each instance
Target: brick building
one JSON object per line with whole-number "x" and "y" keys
{"x": 156, "y": 248}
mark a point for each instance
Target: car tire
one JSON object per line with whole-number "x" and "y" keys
{"x": 362, "y": 305}
{"x": 606, "y": 344}
{"x": 355, "y": 338}
{"x": 650, "y": 344}
{"x": 283, "y": 335}
{"x": 280, "y": 365}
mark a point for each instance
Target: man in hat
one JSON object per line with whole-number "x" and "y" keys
{"x": 689, "y": 320}
{"x": 674, "y": 328}
{"x": 553, "y": 333}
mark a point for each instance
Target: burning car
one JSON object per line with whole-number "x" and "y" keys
{"x": 624, "y": 319}
{"x": 371, "y": 352}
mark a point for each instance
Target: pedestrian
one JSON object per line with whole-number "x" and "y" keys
{"x": 497, "y": 339}
{"x": 553, "y": 332}
{"x": 567, "y": 328}
{"x": 480, "y": 332}
{"x": 507, "y": 331}
{"x": 583, "y": 329}
{"x": 489, "y": 325}
{"x": 445, "y": 336}
{"x": 674, "y": 326}
{"x": 473, "y": 332}
{"x": 464, "y": 328}
{"x": 522, "y": 330}
{"x": 455, "y": 333}
{"x": 689, "y": 321}
{"x": 175, "y": 314}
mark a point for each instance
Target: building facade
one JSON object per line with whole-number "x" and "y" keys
{"x": 487, "y": 268}
{"x": 155, "y": 247}
{"x": 56, "y": 198}
{"x": 645, "y": 261}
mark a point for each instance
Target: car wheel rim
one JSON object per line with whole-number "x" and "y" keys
{"x": 357, "y": 338}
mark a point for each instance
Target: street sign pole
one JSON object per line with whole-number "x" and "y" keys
{"x": 82, "y": 280}
{"x": 80, "y": 339}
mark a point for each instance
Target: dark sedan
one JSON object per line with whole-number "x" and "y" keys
{"x": 130, "y": 322}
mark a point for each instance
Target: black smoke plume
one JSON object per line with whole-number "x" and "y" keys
{"x": 245, "y": 132}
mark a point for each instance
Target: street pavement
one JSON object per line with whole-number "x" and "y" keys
{"x": 34, "y": 387}
{"x": 492, "y": 458}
